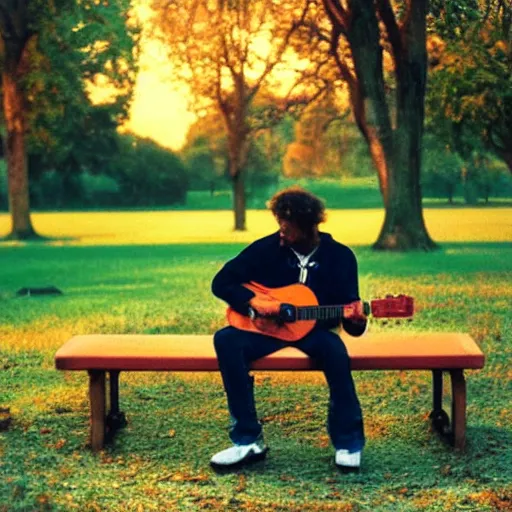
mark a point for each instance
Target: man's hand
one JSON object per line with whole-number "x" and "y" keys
{"x": 265, "y": 305}
{"x": 355, "y": 311}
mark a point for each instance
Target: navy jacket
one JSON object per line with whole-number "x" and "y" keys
{"x": 332, "y": 275}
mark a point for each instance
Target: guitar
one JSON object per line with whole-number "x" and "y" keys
{"x": 299, "y": 311}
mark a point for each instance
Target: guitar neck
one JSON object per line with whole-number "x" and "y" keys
{"x": 320, "y": 312}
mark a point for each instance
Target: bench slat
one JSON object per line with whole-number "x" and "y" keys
{"x": 171, "y": 352}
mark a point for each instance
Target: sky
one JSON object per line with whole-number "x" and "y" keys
{"x": 158, "y": 109}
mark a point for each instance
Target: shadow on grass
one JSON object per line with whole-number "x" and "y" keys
{"x": 36, "y": 240}
{"x": 491, "y": 440}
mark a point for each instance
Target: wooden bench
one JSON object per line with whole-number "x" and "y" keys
{"x": 112, "y": 354}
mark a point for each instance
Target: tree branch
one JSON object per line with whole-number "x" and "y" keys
{"x": 394, "y": 32}
{"x": 337, "y": 14}
{"x": 345, "y": 71}
{"x": 223, "y": 104}
{"x": 271, "y": 63}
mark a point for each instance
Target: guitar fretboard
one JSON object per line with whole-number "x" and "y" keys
{"x": 319, "y": 312}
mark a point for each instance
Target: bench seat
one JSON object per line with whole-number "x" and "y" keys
{"x": 113, "y": 353}
{"x": 195, "y": 353}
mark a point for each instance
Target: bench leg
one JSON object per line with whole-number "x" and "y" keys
{"x": 437, "y": 390}
{"x": 115, "y": 418}
{"x": 458, "y": 408}
{"x": 453, "y": 431}
{"x": 438, "y": 417}
{"x": 98, "y": 406}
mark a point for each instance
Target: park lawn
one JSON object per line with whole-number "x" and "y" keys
{"x": 150, "y": 273}
{"x": 352, "y": 226}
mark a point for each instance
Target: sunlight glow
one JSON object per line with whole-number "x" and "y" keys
{"x": 159, "y": 108}
{"x": 352, "y": 227}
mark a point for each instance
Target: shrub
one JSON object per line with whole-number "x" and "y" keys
{"x": 148, "y": 174}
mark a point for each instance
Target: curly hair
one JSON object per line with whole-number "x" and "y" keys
{"x": 299, "y": 206}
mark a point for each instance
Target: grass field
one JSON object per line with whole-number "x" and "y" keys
{"x": 149, "y": 272}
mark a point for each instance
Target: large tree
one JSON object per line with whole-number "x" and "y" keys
{"x": 226, "y": 51}
{"x": 379, "y": 47}
{"x": 50, "y": 52}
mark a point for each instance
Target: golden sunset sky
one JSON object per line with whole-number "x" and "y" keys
{"x": 159, "y": 107}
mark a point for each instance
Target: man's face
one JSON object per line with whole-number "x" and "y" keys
{"x": 290, "y": 234}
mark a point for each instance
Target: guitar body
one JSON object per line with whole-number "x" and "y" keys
{"x": 296, "y": 294}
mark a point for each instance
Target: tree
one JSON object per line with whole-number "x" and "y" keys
{"x": 380, "y": 52}
{"x": 50, "y": 52}
{"x": 148, "y": 174}
{"x": 442, "y": 169}
{"x": 204, "y": 153}
{"x": 226, "y": 52}
{"x": 470, "y": 93}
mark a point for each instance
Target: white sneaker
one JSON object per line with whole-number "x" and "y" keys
{"x": 239, "y": 454}
{"x": 348, "y": 461}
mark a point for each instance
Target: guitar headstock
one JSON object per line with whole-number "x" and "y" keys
{"x": 393, "y": 306}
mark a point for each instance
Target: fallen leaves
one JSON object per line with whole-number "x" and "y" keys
{"x": 184, "y": 477}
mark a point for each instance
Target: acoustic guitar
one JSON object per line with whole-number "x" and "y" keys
{"x": 299, "y": 311}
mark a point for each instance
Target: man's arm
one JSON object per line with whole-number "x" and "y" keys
{"x": 355, "y": 322}
{"x": 228, "y": 283}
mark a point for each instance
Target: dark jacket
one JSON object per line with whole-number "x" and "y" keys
{"x": 332, "y": 275}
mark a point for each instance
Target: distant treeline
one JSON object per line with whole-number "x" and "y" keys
{"x": 140, "y": 173}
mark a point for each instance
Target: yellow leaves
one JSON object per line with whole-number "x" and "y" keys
{"x": 388, "y": 62}
{"x": 500, "y": 47}
{"x": 298, "y": 159}
{"x": 324, "y": 441}
{"x": 59, "y": 444}
{"x": 505, "y": 416}
{"x": 184, "y": 477}
{"x": 495, "y": 499}
{"x": 43, "y": 499}
{"x": 242, "y": 483}
{"x": 472, "y": 104}
{"x": 435, "y": 47}
{"x": 485, "y": 327}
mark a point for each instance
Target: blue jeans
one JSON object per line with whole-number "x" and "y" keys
{"x": 236, "y": 350}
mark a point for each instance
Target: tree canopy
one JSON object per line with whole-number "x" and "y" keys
{"x": 226, "y": 52}
{"x": 51, "y": 53}
{"x": 470, "y": 92}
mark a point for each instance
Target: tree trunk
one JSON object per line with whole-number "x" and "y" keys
{"x": 239, "y": 207}
{"x": 507, "y": 157}
{"x": 395, "y": 147}
{"x": 17, "y": 172}
{"x": 238, "y": 146}
{"x": 368, "y": 93}
{"x": 451, "y": 193}
{"x": 404, "y": 227}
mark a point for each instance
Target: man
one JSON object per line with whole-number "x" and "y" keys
{"x": 298, "y": 252}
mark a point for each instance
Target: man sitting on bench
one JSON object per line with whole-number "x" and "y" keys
{"x": 297, "y": 253}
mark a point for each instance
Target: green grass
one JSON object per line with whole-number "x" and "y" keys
{"x": 176, "y": 421}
